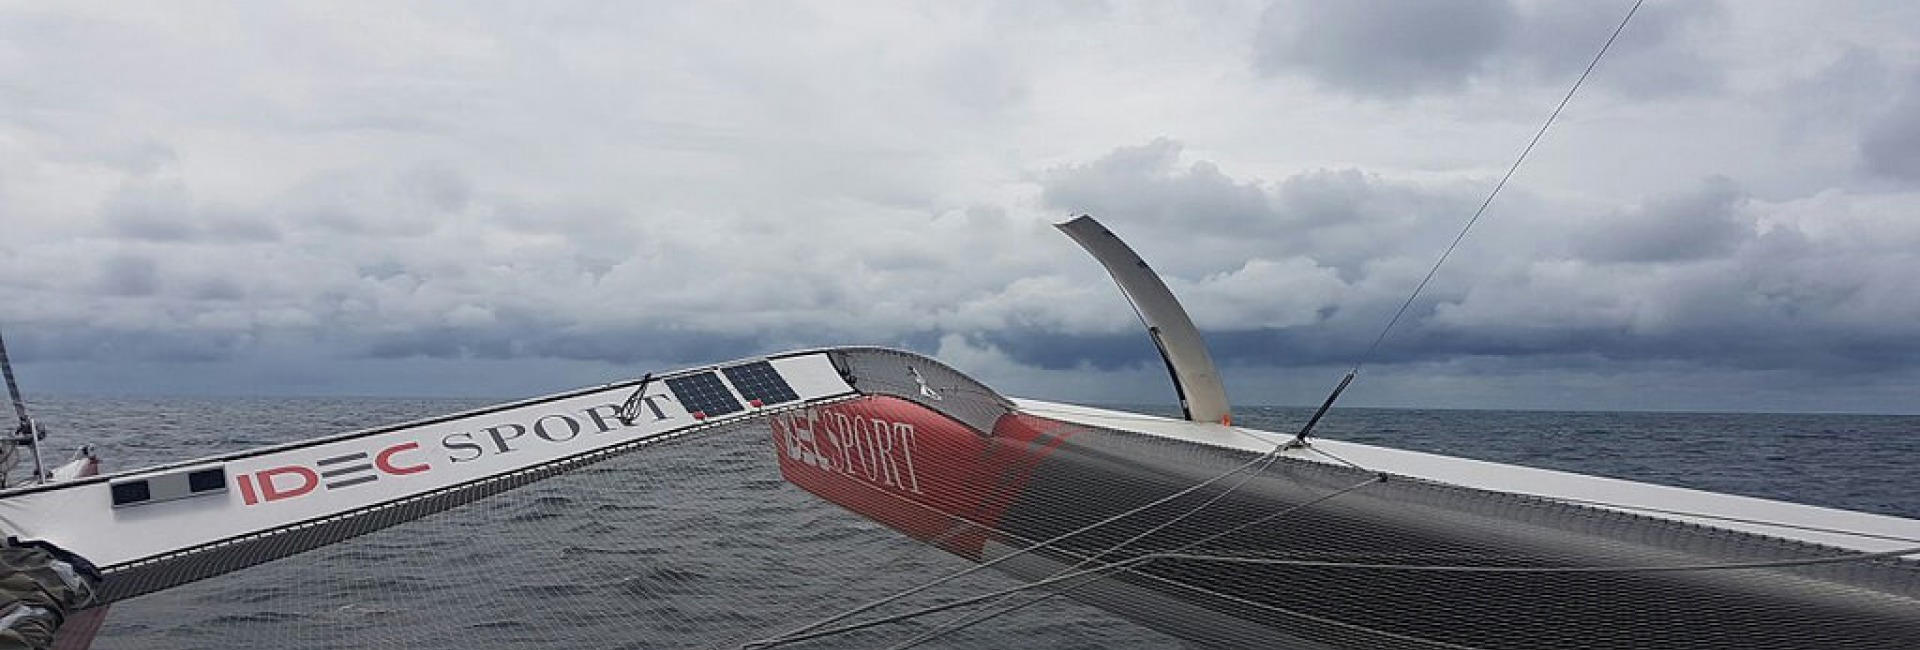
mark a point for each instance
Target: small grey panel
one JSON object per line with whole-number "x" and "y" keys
{"x": 198, "y": 481}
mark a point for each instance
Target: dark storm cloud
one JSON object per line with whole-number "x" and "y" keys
{"x": 110, "y": 344}
{"x": 435, "y": 191}
{"x": 1383, "y": 48}
{"x": 1700, "y": 277}
{"x": 131, "y": 276}
{"x": 217, "y": 288}
{"x": 1890, "y": 146}
{"x": 1692, "y": 226}
{"x": 1395, "y": 49}
{"x": 1759, "y": 346}
{"x": 1659, "y": 53}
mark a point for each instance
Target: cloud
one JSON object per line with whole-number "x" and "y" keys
{"x": 1384, "y": 48}
{"x": 1890, "y": 145}
{"x": 129, "y": 276}
{"x": 291, "y": 192}
{"x": 1658, "y": 55}
{"x": 1146, "y": 183}
{"x": 1708, "y": 275}
{"x": 1398, "y": 49}
{"x": 162, "y": 210}
{"x": 1692, "y": 226}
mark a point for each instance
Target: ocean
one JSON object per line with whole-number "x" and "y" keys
{"x": 701, "y": 544}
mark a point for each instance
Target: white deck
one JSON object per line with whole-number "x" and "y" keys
{"x": 1838, "y": 528}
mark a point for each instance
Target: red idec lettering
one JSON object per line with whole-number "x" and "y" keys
{"x": 269, "y": 491}
{"x": 384, "y": 460}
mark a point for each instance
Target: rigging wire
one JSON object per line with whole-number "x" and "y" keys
{"x": 28, "y": 433}
{"x": 1374, "y": 347}
{"x": 959, "y": 622}
{"x": 1131, "y": 563}
{"x": 806, "y": 631}
{"x": 1057, "y": 578}
{"x": 13, "y": 387}
{"x": 813, "y": 630}
{"x": 1511, "y": 170}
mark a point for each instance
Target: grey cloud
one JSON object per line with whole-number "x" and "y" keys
{"x": 688, "y": 182}
{"x": 217, "y": 289}
{"x": 1701, "y": 277}
{"x": 1394, "y": 49}
{"x": 1145, "y": 183}
{"x": 1383, "y": 48}
{"x": 131, "y": 276}
{"x": 1658, "y": 55}
{"x": 113, "y": 344}
{"x": 437, "y": 187}
{"x": 400, "y": 124}
{"x": 1723, "y": 345}
{"x": 1342, "y": 218}
{"x": 1843, "y": 94}
{"x": 1696, "y": 225}
{"x": 140, "y": 158}
{"x": 412, "y": 203}
{"x": 163, "y": 211}
{"x": 557, "y": 341}
{"x": 1890, "y": 146}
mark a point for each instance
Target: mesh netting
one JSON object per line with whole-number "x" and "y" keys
{"x": 696, "y": 542}
{"x": 1280, "y": 559}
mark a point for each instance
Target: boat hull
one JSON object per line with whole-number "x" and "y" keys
{"x": 1033, "y": 495}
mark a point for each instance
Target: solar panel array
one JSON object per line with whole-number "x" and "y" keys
{"x": 703, "y": 395}
{"x": 760, "y": 384}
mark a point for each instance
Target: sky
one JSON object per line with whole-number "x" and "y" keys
{"x": 511, "y": 199}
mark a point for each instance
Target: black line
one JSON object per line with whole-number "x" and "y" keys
{"x": 336, "y": 460}
{"x": 353, "y": 481}
{"x": 346, "y": 470}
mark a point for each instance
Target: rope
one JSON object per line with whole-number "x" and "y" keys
{"x": 805, "y": 632}
{"x": 949, "y": 626}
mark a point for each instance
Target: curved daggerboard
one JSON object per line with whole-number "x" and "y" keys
{"x": 1201, "y": 394}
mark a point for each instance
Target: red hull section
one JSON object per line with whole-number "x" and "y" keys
{"x": 914, "y": 469}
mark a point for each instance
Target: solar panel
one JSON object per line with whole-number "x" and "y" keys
{"x": 703, "y": 395}
{"x": 760, "y": 383}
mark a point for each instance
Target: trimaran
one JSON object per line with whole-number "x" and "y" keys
{"x": 1220, "y": 535}
{"x": 1217, "y": 534}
